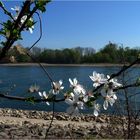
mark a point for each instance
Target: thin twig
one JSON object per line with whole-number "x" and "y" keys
{"x": 34, "y": 59}
{"x": 138, "y": 93}
{"x": 44, "y": 100}
{"x": 6, "y": 11}
{"x": 40, "y": 24}
{"x": 26, "y": 98}
{"x": 47, "y": 131}
{"x": 43, "y": 68}
{"x": 124, "y": 68}
{"x": 127, "y": 86}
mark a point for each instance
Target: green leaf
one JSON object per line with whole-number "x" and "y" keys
{"x": 2, "y": 32}
{"x": 8, "y": 24}
{"x": 31, "y": 100}
{"x": 89, "y": 103}
{"x": 40, "y": 4}
{"x": 138, "y": 81}
{"x": 30, "y": 23}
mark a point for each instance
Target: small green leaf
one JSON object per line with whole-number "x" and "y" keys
{"x": 89, "y": 103}
{"x": 138, "y": 81}
{"x": 41, "y": 5}
{"x": 31, "y": 100}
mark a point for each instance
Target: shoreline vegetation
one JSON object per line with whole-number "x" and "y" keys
{"x": 33, "y": 124}
{"x": 109, "y": 54}
{"x": 68, "y": 65}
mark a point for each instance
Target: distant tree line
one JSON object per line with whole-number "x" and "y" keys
{"x": 111, "y": 53}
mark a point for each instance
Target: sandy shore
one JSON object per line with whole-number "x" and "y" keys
{"x": 66, "y": 65}
{"x": 25, "y": 124}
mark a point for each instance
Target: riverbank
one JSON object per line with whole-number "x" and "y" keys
{"x": 25, "y": 124}
{"x": 67, "y": 65}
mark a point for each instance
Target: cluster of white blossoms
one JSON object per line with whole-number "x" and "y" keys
{"x": 107, "y": 91}
{"x": 23, "y": 19}
{"x": 77, "y": 98}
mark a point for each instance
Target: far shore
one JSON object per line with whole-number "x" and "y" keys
{"x": 68, "y": 65}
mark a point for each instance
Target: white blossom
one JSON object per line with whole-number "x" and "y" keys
{"x": 44, "y": 95}
{"x": 77, "y": 88}
{"x": 88, "y": 95}
{"x": 33, "y": 88}
{"x": 57, "y": 87}
{"x": 23, "y": 19}
{"x": 109, "y": 97}
{"x": 98, "y": 79}
{"x": 96, "y": 108}
{"x": 75, "y": 104}
{"x": 85, "y": 98}
{"x": 114, "y": 82}
{"x": 31, "y": 29}
{"x": 16, "y": 8}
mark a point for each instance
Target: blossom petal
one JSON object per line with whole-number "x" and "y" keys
{"x": 61, "y": 88}
{"x": 70, "y": 81}
{"x": 60, "y": 82}
{"x": 40, "y": 94}
{"x": 114, "y": 96}
{"x": 108, "y": 77}
{"x": 47, "y": 103}
{"x": 72, "y": 95}
{"x": 103, "y": 93}
{"x": 105, "y": 105}
{"x": 94, "y": 73}
{"x": 69, "y": 101}
{"x": 13, "y": 9}
{"x": 44, "y": 94}
{"x": 75, "y": 81}
{"x": 92, "y": 78}
{"x": 95, "y": 113}
{"x": 23, "y": 19}
{"x": 96, "y": 85}
{"x": 85, "y": 99}
{"x": 111, "y": 101}
{"x": 31, "y": 30}
{"x": 80, "y": 105}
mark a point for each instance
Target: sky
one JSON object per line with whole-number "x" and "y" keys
{"x": 68, "y": 24}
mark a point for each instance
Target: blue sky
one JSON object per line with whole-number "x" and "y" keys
{"x": 68, "y": 24}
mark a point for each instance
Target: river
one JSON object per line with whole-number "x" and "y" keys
{"x": 16, "y": 80}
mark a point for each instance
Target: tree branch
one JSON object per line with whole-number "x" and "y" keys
{"x": 124, "y": 68}
{"x": 11, "y": 39}
{"x": 127, "y": 86}
{"x": 6, "y": 11}
{"x": 26, "y": 98}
